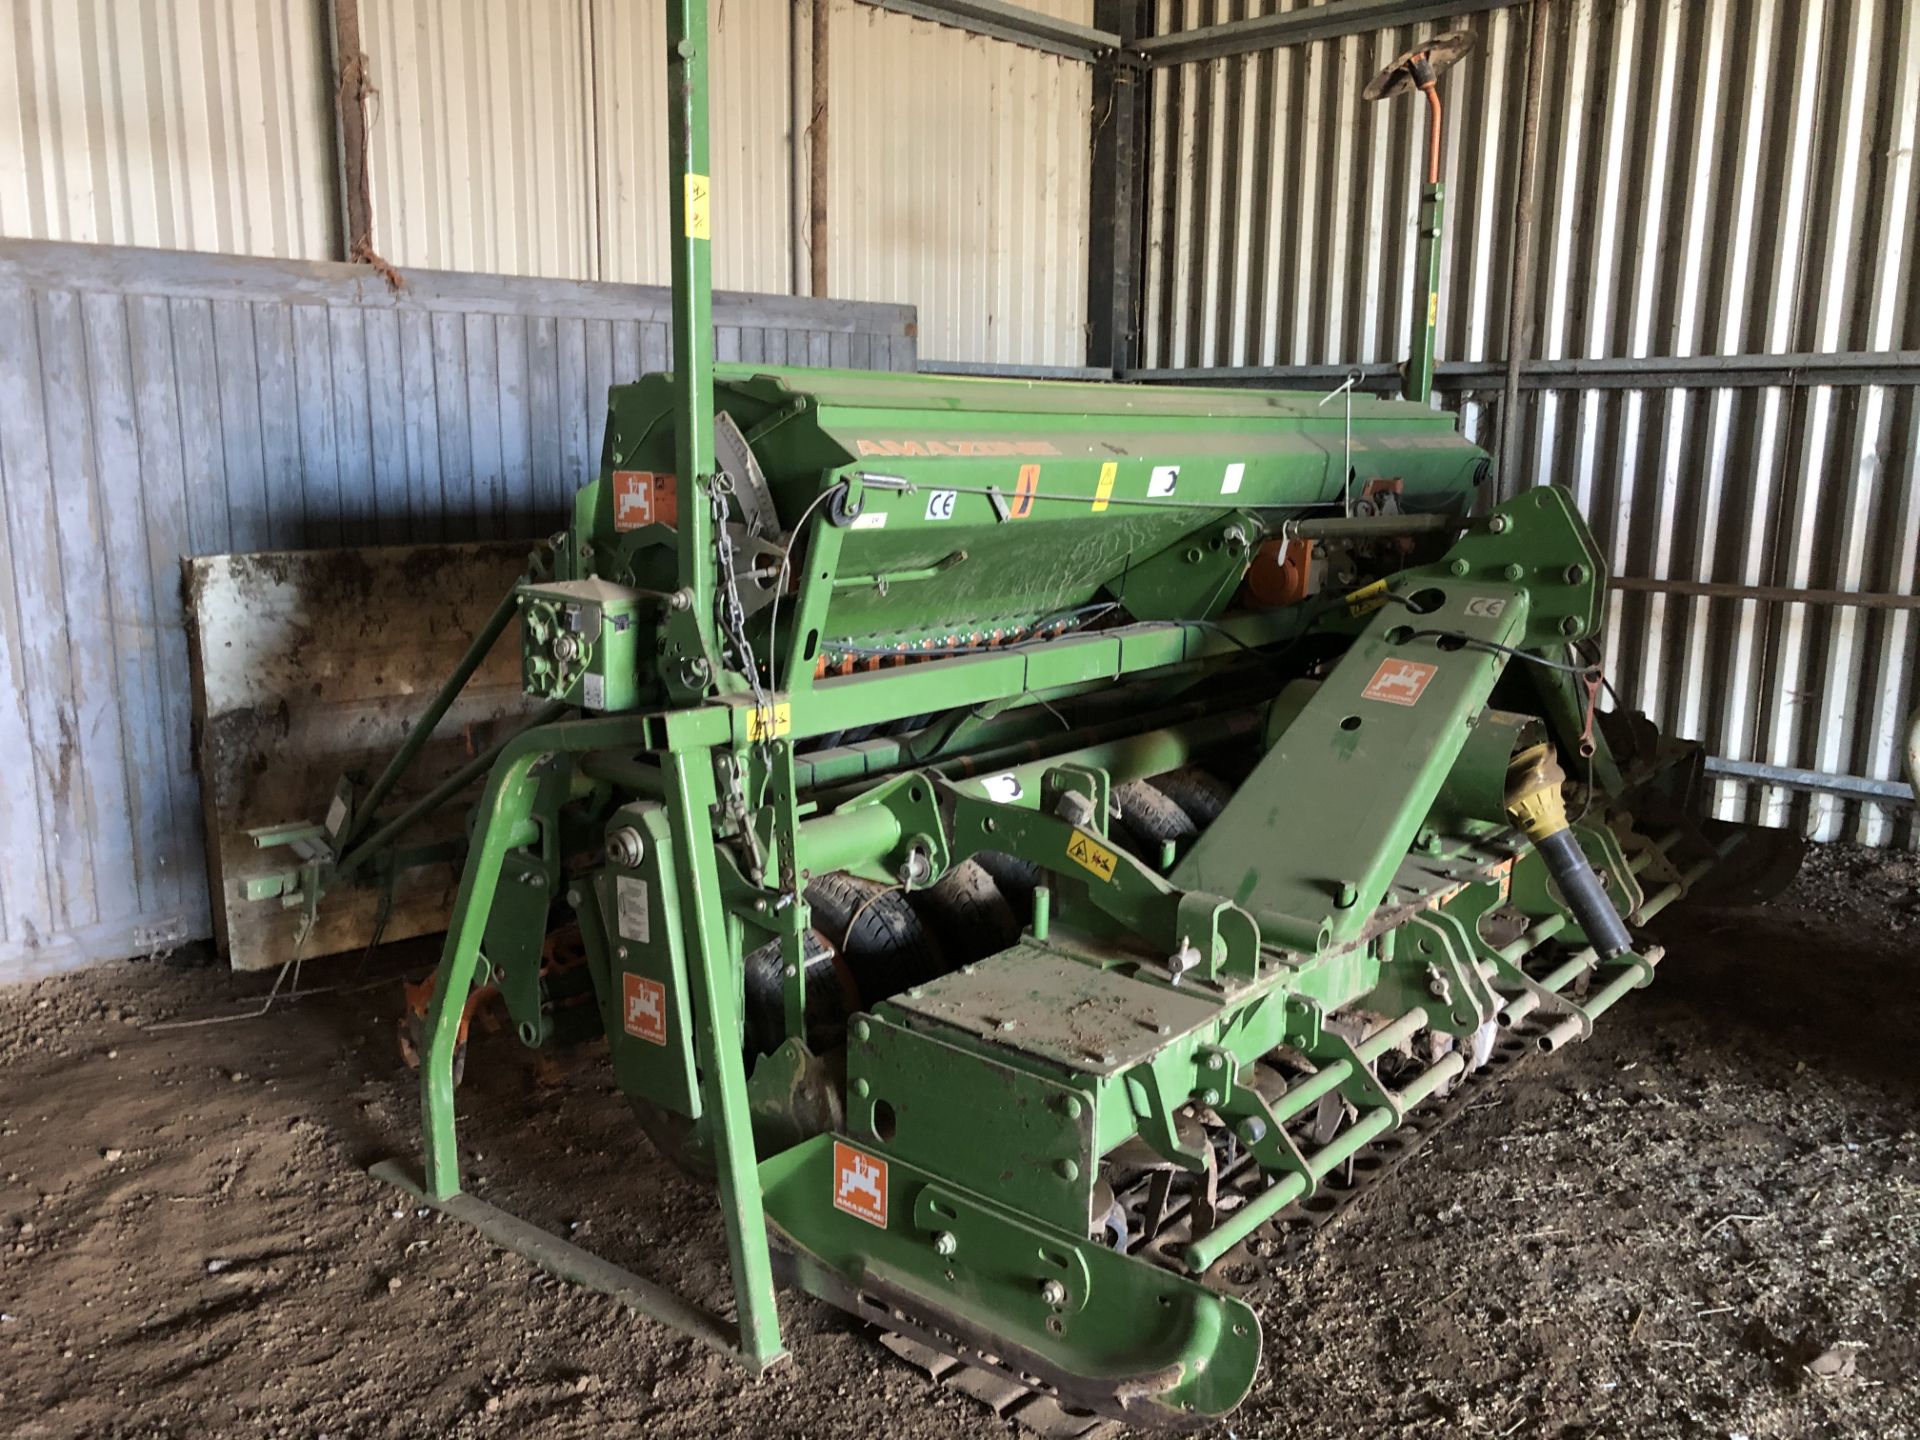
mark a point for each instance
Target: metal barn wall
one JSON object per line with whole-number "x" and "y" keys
{"x": 155, "y": 405}
{"x": 1716, "y": 177}
{"x": 959, "y": 175}
{"x": 188, "y": 124}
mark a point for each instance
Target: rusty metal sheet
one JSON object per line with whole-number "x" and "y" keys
{"x": 312, "y": 664}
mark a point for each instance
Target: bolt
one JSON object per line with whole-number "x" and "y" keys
{"x": 1252, "y": 1130}
{"x": 1576, "y": 574}
{"x": 1054, "y": 1293}
{"x": 1209, "y": 1098}
{"x": 573, "y": 897}
{"x": 1214, "y": 1062}
{"x": 1074, "y": 808}
{"x": 1514, "y": 572}
{"x": 861, "y": 1030}
{"x": 791, "y": 971}
{"x": 1066, "y": 1170}
{"x": 626, "y": 847}
{"x": 862, "y": 1089}
{"x": 944, "y": 1243}
{"x": 1070, "y": 1107}
{"x": 1571, "y": 626}
{"x": 621, "y": 952}
{"x": 1348, "y": 896}
{"x": 1459, "y": 567}
{"x": 1497, "y": 525}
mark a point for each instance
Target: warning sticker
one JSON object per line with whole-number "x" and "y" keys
{"x": 699, "y": 207}
{"x": 631, "y": 904}
{"x": 1399, "y": 682}
{"x": 1023, "y": 493}
{"x": 644, "y": 1007}
{"x": 859, "y": 1184}
{"x": 1089, "y": 854}
{"x": 1103, "y": 492}
{"x": 1163, "y": 480}
{"x": 640, "y": 497}
{"x": 1367, "y": 598}
{"x": 767, "y": 722}
{"x": 1230, "y": 482}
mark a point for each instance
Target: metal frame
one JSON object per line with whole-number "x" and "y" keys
{"x": 1665, "y": 372}
{"x": 1001, "y": 20}
{"x": 1301, "y": 27}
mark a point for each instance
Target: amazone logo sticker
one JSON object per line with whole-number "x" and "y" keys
{"x": 1400, "y": 682}
{"x": 860, "y": 1184}
{"x": 1089, "y": 854}
{"x": 961, "y": 448}
{"x": 641, "y": 497}
{"x": 643, "y": 1005}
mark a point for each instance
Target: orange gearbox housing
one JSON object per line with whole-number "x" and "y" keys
{"x": 1279, "y": 573}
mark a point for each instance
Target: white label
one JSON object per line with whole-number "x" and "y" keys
{"x": 630, "y": 901}
{"x": 940, "y": 504}
{"x": 1163, "y": 480}
{"x": 1230, "y": 483}
{"x": 1486, "y": 607}
{"x": 336, "y": 815}
{"x": 594, "y": 691}
{"x": 870, "y": 520}
{"x": 1004, "y": 788}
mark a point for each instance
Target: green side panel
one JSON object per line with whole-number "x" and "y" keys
{"x": 1024, "y": 1138}
{"x": 644, "y": 1005}
{"x": 869, "y": 1231}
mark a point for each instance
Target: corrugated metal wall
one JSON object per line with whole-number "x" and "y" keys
{"x": 528, "y": 137}
{"x": 959, "y": 175}
{"x": 158, "y": 405}
{"x": 188, "y": 124}
{"x": 1716, "y": 177}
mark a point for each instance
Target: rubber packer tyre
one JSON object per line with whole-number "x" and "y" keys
{"x": 967, "y": 914}
{"x": 884, "y": 946}
{"x": 1148, "y": 819}
{"x": 1016, "y": 879}
{"x": 1201, "y": 795}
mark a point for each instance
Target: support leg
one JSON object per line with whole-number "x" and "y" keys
{"x": 717, "y": 1039}
{"x": 505, "y": 820}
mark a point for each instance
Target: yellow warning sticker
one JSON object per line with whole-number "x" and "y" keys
{"x": 1367, "y": 598}
{"x": 1433, "y": 306}
{"x": 765, "y": 722}
{"x": 699, "y": 208}
{"x": 1089, "y": 854}
{"x": 1104, "y": 491}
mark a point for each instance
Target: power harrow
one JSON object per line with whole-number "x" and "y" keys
{"x": 1023, "y": 838}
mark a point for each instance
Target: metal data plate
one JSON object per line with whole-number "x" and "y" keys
{"x": 1041, "y": 1003}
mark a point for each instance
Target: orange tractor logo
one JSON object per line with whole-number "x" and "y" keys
{"x": 859, "y": 1184}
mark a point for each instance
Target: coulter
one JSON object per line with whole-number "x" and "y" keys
{"x": 1020, "y": 839}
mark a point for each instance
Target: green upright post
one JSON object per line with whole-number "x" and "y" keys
{"x": 717, "y": 1029}
{"x": 690, "y": 213}
{"x": 1426, "y": 308}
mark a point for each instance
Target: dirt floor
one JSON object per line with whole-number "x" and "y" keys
{"x": 1705, "y": 1222}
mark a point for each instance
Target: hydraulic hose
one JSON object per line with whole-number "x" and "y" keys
{"x": 1536, "y": 805}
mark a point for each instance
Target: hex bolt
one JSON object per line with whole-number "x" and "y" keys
{"x": 944, "y": 1243}
{"x": 1209, "y": 1098}
{"x": 1214, "y": 1062}
{"x": 1054, "y": 1293}
{"x": 1514, "y": 571}
{"x": 1459, "y": 567}
{"x": 1074, "y": 808}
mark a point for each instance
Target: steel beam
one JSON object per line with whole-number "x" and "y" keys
{"x": 1302, "y": 27}
{"x": 1775, "y": 594}
{"x": 1002, "y": 20}
{"x": 1852, "y": 787}
{"x": 1664, "y": 372}
{"x": 1116, "y": 241}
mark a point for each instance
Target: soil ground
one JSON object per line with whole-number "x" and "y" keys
{"x": 1704, "y": 1222}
